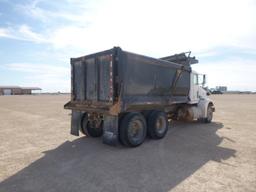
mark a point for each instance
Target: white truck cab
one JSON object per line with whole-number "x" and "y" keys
{"x": 197, "y": 82}
{"x": 199, "y": 107}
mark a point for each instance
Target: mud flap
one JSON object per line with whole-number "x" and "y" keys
{"x": 110, "y": 130}
{"x": 76, "y": 122}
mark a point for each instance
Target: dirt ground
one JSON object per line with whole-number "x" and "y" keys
{"x": 37, "y": 153}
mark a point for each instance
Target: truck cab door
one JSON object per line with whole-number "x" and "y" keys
{"x": 194, "y": 88}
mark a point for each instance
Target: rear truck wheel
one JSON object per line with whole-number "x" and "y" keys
{"x": 157, "y": 124}
{"x": 209, "y": 116}
{"x": 91, "y": 128}
{"x": 133, "y": 129}
{"x": 84, "y": 122}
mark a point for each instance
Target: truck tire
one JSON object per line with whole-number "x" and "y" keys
{"x": 157, "y": 124}
{"x": 90, "y": 129}
{"x": 133, "y": 129}
{"x": 84, "y": 122}
{"x": 208, "y": 119}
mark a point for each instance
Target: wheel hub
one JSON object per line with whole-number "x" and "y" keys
{"x": 135, "y": 129}
{"x": 160, "y": 125}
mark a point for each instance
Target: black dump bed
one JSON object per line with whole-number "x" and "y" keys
{"x": 126, "y": 81}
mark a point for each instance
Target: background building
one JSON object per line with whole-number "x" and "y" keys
{"x": 16, "y": 90}
{"x": 221, "y": 88}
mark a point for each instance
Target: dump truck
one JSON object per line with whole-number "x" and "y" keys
{"x": 124, "y": 97}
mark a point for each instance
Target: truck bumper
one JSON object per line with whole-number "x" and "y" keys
{"x": 80, "y": 106}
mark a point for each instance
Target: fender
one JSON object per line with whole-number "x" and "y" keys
{"x": 203, "y": 106}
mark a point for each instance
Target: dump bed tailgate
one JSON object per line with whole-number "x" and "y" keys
{"x": 92, "y": 79}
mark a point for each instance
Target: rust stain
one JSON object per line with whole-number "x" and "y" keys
{"x": 116, "y": 108}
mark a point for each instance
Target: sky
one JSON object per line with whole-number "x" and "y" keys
{"x": 38, "y": 37}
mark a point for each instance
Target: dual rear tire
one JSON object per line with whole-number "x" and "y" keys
{"x": 134, "y": 127}
{"x": 93, "y": 129}
{"x": 157, "y": 124}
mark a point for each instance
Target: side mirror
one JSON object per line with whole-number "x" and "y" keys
{"x": 204, "y": 79}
